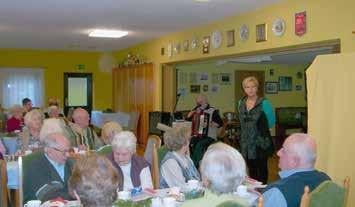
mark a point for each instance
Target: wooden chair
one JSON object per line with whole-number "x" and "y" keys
{"x": 148, "y": 153}
{"x": 327, "y": 194}
{"x": 3, "y": 189}
{"x": 155, "y": 167}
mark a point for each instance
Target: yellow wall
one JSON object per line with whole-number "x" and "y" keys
{"x": 326, "y": 20}
{"x": 219, "y": 100}
{"x": 55, "y": 63}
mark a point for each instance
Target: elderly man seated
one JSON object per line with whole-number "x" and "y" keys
{"x": 297, "y": 158}
{"x": 134, "y": 170}
{"x": 46, "y": 176}
{"x": 86, "y": 137}
{"x": 223, "y": 169}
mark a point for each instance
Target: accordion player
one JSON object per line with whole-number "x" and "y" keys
{"x": 200, "y": 124}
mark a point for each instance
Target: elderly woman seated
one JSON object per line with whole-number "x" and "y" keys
{"x": 108, "y": 131}
{"x": 223, "y": 170}
{"x": 30, "y": 134}
{"x": 177, "y": 167}
{"x": 134, "y": 170}
{"x": 94, "y": 181}
{"x": 16, "y": 120}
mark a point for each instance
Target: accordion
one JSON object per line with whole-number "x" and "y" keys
{"x": 198, "y": 128}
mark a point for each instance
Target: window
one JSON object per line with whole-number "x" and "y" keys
{"x": 18, "y": 83}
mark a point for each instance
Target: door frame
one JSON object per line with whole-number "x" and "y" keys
{"x": 89, "y": 95}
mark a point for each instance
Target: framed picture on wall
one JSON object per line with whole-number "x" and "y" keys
{"x": 226, "y": 78}
{"x": 195, "y": 89}
{"x": 261, "y": 32}
{"x": 285, "y": 83}
{"x": 271, "y": 87}
{"x": 230, "y": 38}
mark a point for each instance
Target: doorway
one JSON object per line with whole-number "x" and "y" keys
{"x": 77, "y": 91}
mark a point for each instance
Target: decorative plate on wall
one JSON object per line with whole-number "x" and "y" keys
{"x": 244, "y": 32}
{"x": 216, "y": 40}
{"x": 169, "y": 50}
{"x": 279, "y": 27}
{"x": 194, "y": 43}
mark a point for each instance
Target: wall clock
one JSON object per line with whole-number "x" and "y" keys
{"x": 216, "y": 39}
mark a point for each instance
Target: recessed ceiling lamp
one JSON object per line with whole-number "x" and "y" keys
{"x": 107, "y": 33}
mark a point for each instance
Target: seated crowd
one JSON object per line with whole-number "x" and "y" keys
{"x": 94, "y": 178}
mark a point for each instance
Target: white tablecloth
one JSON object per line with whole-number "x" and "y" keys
{"x": 10, "y": 144}
{"x": 98, "y": 118}
{"x": 12, "y": 175}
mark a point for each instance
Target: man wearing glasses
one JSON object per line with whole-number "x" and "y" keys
{"x": 46, "y": 176}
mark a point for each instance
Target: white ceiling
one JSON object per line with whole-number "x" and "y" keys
{"x": 64, "y": 24}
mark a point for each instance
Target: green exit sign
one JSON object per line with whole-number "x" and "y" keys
{"x": 80, "y": 66}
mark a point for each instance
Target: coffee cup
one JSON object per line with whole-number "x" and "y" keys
{"x": 242, "y": 190}
{"x": 33, "y": 203}
{"x": 193, "y": 184}
{"x": 169, "y": 202}
{"x": 124, "y": 195}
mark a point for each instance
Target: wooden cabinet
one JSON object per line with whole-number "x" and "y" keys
{"x": 133, "y": 90}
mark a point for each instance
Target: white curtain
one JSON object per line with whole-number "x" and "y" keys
{"x": 19, "y": 83}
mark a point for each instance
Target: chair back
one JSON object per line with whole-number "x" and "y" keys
{"x": 155, "y": 167}
{"x": 327, "y": 194}
{"x": 161, "y": 153}
{"x": 3, "y": 187}
{"x": 148, "y": 153}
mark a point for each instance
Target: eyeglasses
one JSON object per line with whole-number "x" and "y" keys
{"x": 64, "y": 152}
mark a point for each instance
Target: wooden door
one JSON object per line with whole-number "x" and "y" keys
{"x": 133, "y": 90}
{"x": 239, "y": 77}
{"x": 169, "y": 88}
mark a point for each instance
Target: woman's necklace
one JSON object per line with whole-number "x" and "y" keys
{"x": 251, "y": 103}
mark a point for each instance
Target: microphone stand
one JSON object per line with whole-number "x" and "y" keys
{"x": 172, "y": 116}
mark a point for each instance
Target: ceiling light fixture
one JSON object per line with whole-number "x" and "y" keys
{"x": 107, "y": 33}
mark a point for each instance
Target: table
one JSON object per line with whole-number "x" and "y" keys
{"x": 12, "y": 175}
{"x": 98, "y": 118}
{"x": 10, "y": 144}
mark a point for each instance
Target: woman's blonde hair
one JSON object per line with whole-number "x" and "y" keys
{"x": 109, "y": 130}
{"x": 95, "y": 181}
{"x": 250, "y": 79}
{"x": 31, "y": 115}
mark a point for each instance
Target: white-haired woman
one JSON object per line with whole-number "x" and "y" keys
{"x": 16, "y": 120}
{"x": 29, "y": 137}
{"x": 177, "y": 167}
{"x": 222, "y": 169}
{"x": 134, "y": 170}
